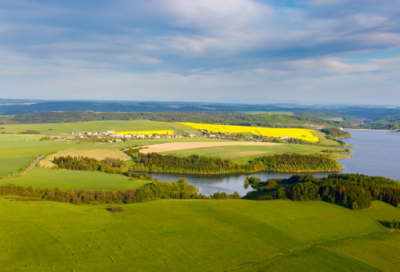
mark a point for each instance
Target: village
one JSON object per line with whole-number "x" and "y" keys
{"x": 113, "y": 136}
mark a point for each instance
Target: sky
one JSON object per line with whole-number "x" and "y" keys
{"x": 240, "y": 51}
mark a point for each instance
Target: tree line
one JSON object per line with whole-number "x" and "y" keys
{"x": 108, "y": 165}
{"x": 151, "y": 191}
{"x": 334, "y": 133}
{"x": 195, "y": 164}
{"x": 209, "y": 117}
{"x": 353, "y": 191}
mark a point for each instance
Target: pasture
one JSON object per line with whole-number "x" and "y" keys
{"x": 194, "y": 235}
{"x": 65, "y": 179}
{"x": 98, "y": 126}
{"x": 101, "y": 151}
{"x": 11, "y": 165}
{"x": 16, "y": 152}
{"x": 244, "y": 153}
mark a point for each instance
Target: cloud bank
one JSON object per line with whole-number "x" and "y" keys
{"x": 238, "y": 50}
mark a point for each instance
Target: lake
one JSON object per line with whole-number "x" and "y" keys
{"x": 376, "y": 153}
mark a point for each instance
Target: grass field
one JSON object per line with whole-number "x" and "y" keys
{"x": 10, "y": 165}
{"x": 16, "y": 153}
{"x": 13, "y": 146}
{"x": 102, "y": 126}
{"x": 195, "y": 235}
{"x": 101, "y": 151}
{"x": 243, "y": 154}
{"x": 49, "y": 178}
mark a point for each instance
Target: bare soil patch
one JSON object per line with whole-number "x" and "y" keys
{"x": 190, "y": 145}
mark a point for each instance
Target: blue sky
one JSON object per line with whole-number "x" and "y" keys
{"x": 201, "y": 50}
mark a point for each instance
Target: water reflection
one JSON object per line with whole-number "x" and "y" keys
{"x": 376, "y": 154}
{"x": 230, "y": 183}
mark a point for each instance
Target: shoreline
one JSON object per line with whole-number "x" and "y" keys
{"x": 368, "y": 129}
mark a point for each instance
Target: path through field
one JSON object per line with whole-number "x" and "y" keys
{"x": 27, "y": 170}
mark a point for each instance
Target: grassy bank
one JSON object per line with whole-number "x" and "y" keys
{"x": 64, "y": 128}
{"x": 195, "y": 235}
{"x": 49, "y": 178}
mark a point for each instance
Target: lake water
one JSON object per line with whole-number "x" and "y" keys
{"x": 376, "y": 153}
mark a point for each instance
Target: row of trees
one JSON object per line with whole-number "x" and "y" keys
{"x": 151, "y": 191}
{"x": 350, "y": 190}
{"x": 153, "y": 162}
{"x": 108, "y": 165}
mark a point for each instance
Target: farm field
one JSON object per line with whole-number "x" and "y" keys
{"x": 146, "y": 132}
{"x": 194, "y": 235}
{"x": 10, "y": 165}
{"x": 244, "y": 153}
{"x": 64, "y": 128}
{"x": 65, "y": 179}
{"x": 298, "y": 133}
{"x": 16, "y": 153}
{"x": 323, "y": 140}
{"x": 13, "y": 146}
{"x": 101, "y": 151}
{"x": 195, "y": 145}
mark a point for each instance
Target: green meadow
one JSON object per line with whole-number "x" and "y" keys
{"x": 64, "y": 179}
{"x": 102, "y": 126}
{"x": 16, "y": 152}
{"x": 13, "y": 146}
{"x": 101, "y": 151}
{"x": 197, "y": 235}
{"x": 243, "y": 154}
{"x": 11, "y": 165}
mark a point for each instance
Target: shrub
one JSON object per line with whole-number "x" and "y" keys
{"x": 395, "y": 224}
{"x": 183, "y": 181}
{"x": 115, "y": 209}
{"x": 354, "y": 206}
{"x": 267, "y": 197}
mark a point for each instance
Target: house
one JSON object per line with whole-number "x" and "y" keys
{"x": 110, "y": 131}
{"x": 88, "y": 133}
{"x": 284, "y": 138}
{"x": 212, "y": 136}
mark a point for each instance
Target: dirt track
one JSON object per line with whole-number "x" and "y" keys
{"x": 179, "y": 146}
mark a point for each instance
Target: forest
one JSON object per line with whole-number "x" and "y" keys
{"x": 210, "y": 117}
{"x": 195, "y": 164}
{"x": 353, "y": 191}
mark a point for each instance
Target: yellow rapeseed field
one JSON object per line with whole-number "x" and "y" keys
{"x": 297, "y": 133}
{"x": 147, "y": 132}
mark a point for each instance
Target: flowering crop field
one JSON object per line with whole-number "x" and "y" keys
{"x": 297, "y": 133}
{"x": 147, "y": 132}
